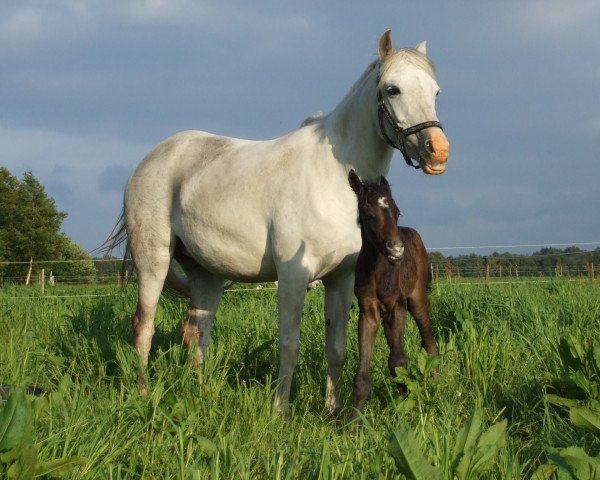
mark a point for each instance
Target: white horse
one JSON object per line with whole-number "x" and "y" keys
{"x": 226, "y": 208}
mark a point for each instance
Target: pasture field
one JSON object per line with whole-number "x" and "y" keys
{"x": 502, "y": 351}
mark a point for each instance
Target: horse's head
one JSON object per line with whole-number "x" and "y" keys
{"x": 378, "y": 216}
{"x": 406, "y": 92}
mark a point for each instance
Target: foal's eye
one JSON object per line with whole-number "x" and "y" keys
{"x": 392, "y": 90}
{"x": 437, "y": 93}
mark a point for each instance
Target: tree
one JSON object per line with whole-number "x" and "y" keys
{"x": 30, "y": 227}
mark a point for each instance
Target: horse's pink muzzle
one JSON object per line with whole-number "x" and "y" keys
{"x": 436, "y": 154}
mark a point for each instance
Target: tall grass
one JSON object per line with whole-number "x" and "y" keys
{"x": 498, "y": 346}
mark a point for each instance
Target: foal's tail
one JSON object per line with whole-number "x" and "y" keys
{"x": 118, "y": 239}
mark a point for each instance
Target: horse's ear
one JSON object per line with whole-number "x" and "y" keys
{"x": 386, "y": 47}
{"x": 383, "y": 182}
{"x": 355, "y": 182}
{"x": 422, "y": 47}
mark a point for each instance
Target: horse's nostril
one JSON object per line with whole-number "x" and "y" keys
{"x": 429, "y": 146}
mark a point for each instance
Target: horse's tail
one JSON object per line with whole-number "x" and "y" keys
{"x": 176, "y": 283}
{"x": 118, "y": 239}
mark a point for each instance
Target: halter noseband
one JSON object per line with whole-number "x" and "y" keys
{"x": 383, "y": 112}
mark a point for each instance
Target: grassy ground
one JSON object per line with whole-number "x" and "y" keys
{"x": 499, "y": 348}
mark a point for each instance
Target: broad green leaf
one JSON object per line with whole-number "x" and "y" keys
{"x": 580, "y": 379}
{"x": 558, "y": 400}
{"x": 493, "y": 439}
{"x": 577, "y": 347}
{"x": 433, "y": 362}
{"x": 596, "y": 353}
{"x": 15, "y": 421}
{"x": 206, "y": 446}
{"x": 422, "y": 363}
{"x": 409, "y": 460}
{"x": 584, "y": 466}
{"x": 466, "y": 441}
{"x": 586, "y": 418}
{"x": 405, "y": 404}
{"x": 544, "y": 472}
{"x": 402, "y": 373}
{"x": 568, "y": 354}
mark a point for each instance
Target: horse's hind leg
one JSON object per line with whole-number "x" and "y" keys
{"x": 206, "y": 290}
{"x": 418, "y": 306}
{"x": 152, "y": 268}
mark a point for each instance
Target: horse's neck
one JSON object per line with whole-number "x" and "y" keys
{"x": 353, "y": 131}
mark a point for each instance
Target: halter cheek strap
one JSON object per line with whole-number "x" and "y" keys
{"x": 384, "y": 114}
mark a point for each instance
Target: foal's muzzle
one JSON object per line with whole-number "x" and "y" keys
{"x": 394, "y": 250}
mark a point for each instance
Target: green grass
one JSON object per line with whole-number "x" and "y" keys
{"x": 498, "y": 346}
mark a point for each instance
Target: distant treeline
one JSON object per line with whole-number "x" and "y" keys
{"x": 571, "y": 261}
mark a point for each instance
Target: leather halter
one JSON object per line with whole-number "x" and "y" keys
{"x": 383, "y": 112}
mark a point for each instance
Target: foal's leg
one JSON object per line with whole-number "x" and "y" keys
{"x": 368, "y": 323}
{"x": 393, "y": 327}
{"x": 291, "y": 293}
{"x": 338, "y": 298}
{"x": 418, "y": 306}
{"x": 206, "y": 290}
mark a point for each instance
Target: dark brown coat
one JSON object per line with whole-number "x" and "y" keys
{"x": 392, "y": 277}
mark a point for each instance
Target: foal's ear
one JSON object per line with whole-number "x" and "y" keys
{"x": 355, "y": 182}
{"x": 386, "y": 47}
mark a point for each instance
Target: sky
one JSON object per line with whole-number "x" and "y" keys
{"x": 88, "y": 88}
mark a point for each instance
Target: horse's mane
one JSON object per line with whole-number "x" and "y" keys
{"x": 411, "y": 56}
{"x": 315, "y": 117}
{"x": 357, "y": 85}
{"x": 361, "y": 80}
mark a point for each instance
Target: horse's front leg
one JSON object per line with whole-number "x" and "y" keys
{"x": 368, "y": 323}
{"x": 338, "y": 299}
{"x": 291, "y": 293}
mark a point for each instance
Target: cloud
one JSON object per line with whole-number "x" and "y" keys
{"x": 31, "y": 22}
{"x": 558, "y": 19}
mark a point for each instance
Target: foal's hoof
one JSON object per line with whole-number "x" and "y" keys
{"x": 402, "y": 389}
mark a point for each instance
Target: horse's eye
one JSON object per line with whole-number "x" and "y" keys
{"x": 392, "y": 90}
{"x": 437, "y": 93}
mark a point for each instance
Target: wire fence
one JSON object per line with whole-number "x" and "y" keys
{"x": 570, "y": 263}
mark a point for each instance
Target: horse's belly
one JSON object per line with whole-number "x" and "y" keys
{"x": 236, "y": 250}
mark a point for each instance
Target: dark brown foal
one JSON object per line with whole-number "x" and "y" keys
{"x": 392, "y": 276}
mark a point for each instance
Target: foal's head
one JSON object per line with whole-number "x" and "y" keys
{"x": 378, "y": 216}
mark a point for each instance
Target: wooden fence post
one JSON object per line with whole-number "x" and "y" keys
{"x": 28, "y": 277}
{"x": 42, "y": 280}
{"x": 487, "y": 269}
